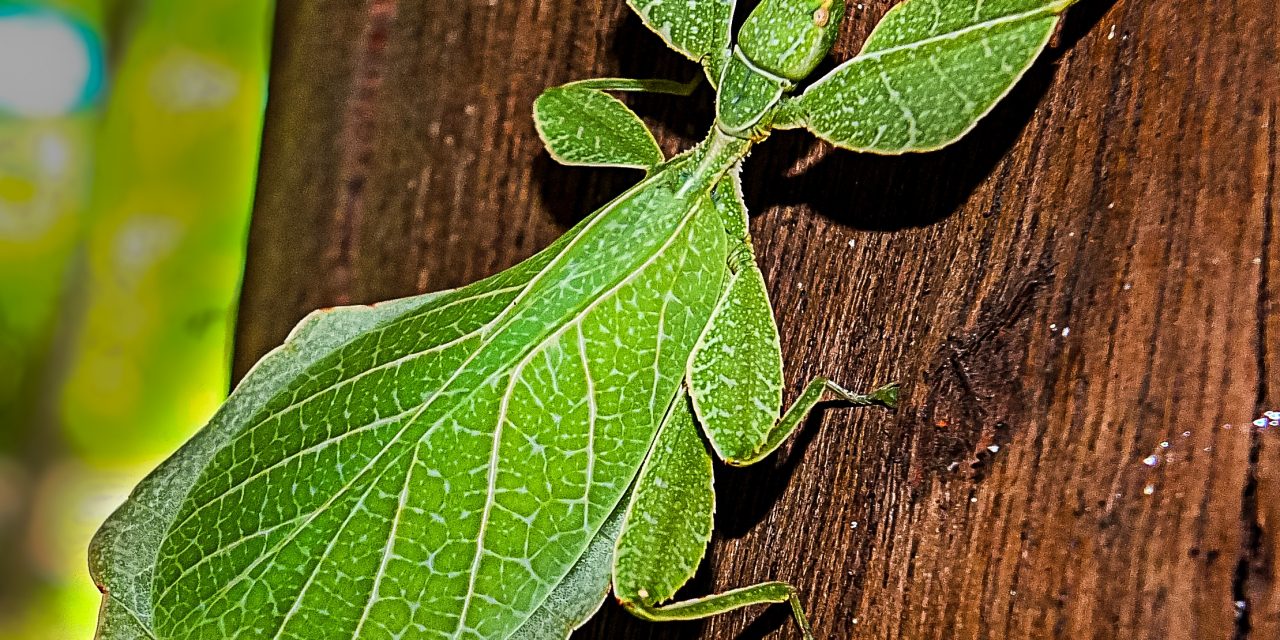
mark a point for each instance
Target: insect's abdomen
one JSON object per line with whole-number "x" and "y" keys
{"x": 481, "y": 442}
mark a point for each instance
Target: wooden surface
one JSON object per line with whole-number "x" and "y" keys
{"x": 1093, "y": 273}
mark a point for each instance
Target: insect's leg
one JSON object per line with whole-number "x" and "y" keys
{"x": 735, "y": 371}
{"x": 735, "y": 374}
{"x": 706, "y": 606}
{"x": 666, "y": 529}
{"x": 582, "y": 125}
{"x": 885, "y": 396}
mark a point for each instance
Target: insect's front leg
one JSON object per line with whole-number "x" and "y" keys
{"x": 668, "y": 524}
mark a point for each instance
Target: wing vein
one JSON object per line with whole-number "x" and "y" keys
{"x": 133, "y": 614}
{"x": 293, "y": 456}
{"x": 592, "y": 414}
{"x": 293, "y": 534}
{"x": 315, "y": 570}
{"x": 409, "y": 356}
{"x": 388, "y": 551}
{"x": 1049, "y": 9}
{"x": 490, "y": 497}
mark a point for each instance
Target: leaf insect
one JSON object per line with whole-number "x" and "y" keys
{"x": 489, "y": 462}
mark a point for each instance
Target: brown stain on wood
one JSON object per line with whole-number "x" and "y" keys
{"x": 1094, "y": 272}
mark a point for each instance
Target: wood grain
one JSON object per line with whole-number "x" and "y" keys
{"x": 1091, "y": 278}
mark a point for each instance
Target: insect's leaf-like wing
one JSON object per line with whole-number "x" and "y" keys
{"x": 699, "y": 29}
{"x": 435, "y": 465}
{"x": 929, "y": 71}
{"x": 588, "y": 127}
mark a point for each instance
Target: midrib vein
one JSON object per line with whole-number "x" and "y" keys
{"x": 1051, "y": 9}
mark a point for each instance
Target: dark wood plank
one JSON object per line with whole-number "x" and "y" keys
{"x": 1090, "y": 279}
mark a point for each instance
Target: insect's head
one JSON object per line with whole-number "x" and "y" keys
{"x": 779, "y": 44}
{"x": 789, "y": 38}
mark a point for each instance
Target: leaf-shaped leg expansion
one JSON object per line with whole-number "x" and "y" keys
{"x": 735, "y": 373}
{"x": 672, "y": 509}
{"x": 927, "y": 73}
{"x": 581, "y": 125}
{"x": 698, "y": 29}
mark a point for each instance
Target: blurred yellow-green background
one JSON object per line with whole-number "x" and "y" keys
{"x": 129, "y": 134}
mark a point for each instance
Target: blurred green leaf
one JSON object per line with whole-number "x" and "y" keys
{"x": 122, "y": 224}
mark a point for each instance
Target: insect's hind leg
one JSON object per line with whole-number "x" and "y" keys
{"x": 715, "y": 604}
{"x": 680, "y": 474}
{"x": 667, "y": 526}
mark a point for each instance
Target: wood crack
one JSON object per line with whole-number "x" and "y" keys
{"x": 1252, "y": 562}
